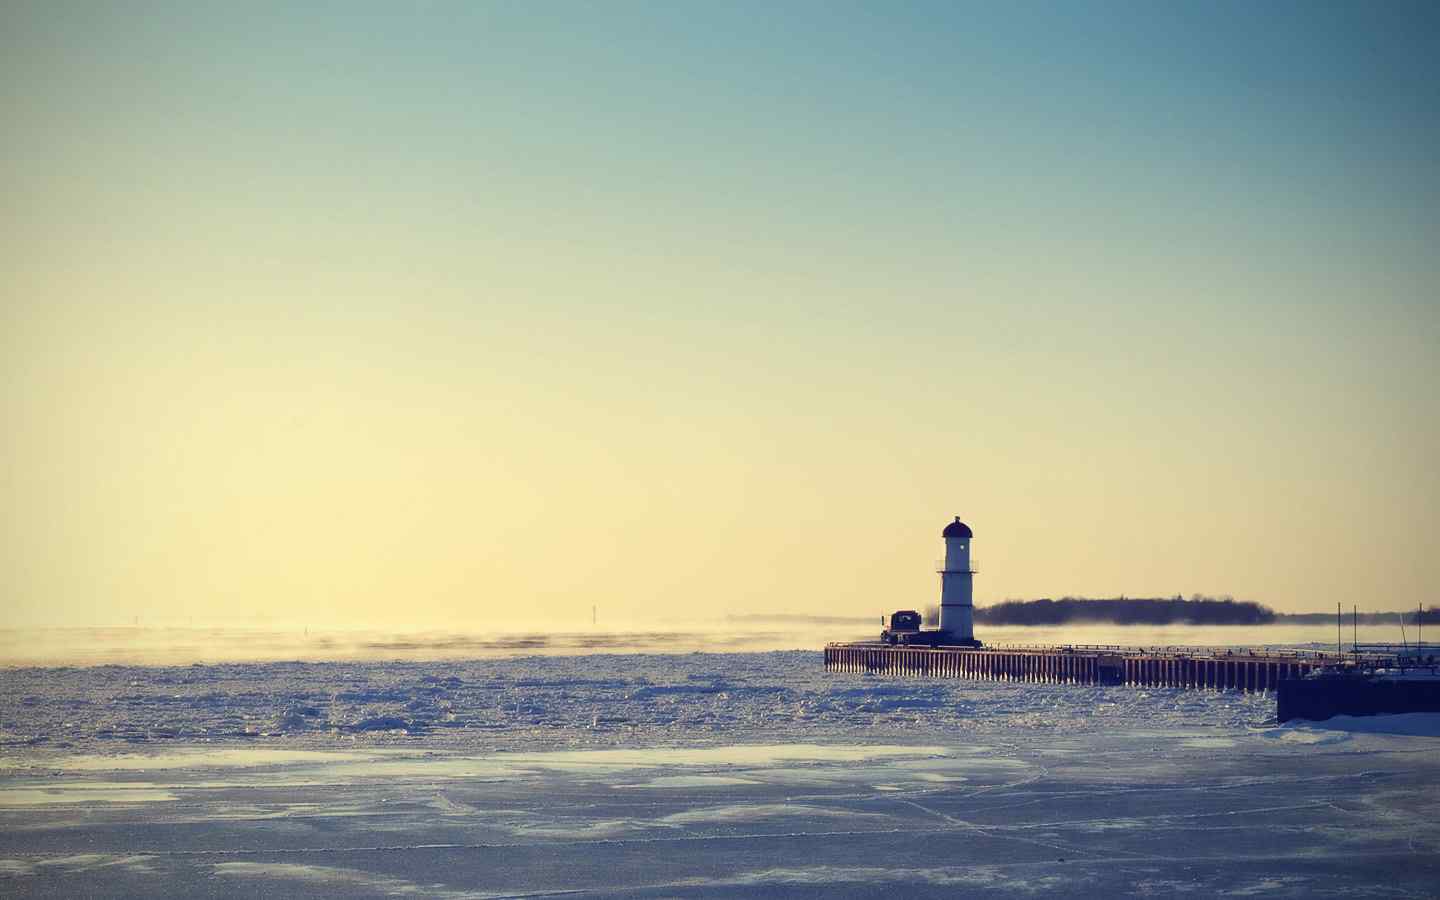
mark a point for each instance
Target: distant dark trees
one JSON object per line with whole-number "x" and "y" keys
{"x": 1432, "y": 617}
{"x": 1198, "y": 610}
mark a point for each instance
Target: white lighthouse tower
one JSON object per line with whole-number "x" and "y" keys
{"x": 957, "y": 588}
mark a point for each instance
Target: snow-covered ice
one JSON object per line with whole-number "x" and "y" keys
{"x": 706, "y": 774}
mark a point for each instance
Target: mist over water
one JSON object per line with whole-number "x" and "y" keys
{"x": 179, "y": 645}
{"x": 183, "y": 645}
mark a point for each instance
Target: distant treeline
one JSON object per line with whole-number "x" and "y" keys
{"x": 1198, "y": 610}
{"x": 1431, "y": 617}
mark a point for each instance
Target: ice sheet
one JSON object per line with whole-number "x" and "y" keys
{"x": 699, "y": 775}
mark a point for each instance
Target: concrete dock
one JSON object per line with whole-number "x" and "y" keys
{"x": 1179, "y": 667}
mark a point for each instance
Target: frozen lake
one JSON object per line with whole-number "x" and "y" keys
{"x": 707, "y": 774}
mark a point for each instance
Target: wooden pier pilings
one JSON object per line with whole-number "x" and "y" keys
{"x": 1178, "y": 668}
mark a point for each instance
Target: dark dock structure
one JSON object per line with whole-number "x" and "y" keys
{"x": 1359, "y": 694}
{"x": 1178, "y": 667}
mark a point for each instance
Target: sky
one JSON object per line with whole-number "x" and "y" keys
{"x": 432, "y": 313}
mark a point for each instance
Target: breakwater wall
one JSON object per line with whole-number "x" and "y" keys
{"x": 1180, "y": 667}
{"x": 1319, "y": 699}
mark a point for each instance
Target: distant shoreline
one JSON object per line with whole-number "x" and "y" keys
{"x": 1147, "y": 611}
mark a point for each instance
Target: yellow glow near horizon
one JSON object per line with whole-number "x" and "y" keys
{"x": 302, "y": 321}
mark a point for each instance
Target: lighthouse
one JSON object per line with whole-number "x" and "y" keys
{"x": 957, "y": 588}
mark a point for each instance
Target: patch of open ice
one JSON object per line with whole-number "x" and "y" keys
{"x": 1268, "y": 886}
{"x": 1420, "y": 724}
{"x": 1289, "y": 734}
{"x": 77, "y": 862}
{"x": 84, "y": 792}
{"x": 730, "y": 755}
{"x": 691, "y": 781}
{"x": 599, "y": 830}
{"x": 1206, "y": 743}
{"x": 938, "y": 778}
{"x": 217, "y": 757}
{"x": 334, "y": 878}
{"x": 759, "y": 811}
{"x": 1339, "y": 728}
{"x": 957, "y": 877}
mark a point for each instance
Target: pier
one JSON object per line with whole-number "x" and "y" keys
{"x": 1176, "y": 667}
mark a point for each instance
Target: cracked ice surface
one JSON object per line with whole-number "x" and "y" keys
{"x": 575, "y": 701}
{"x": 689, "y": 775}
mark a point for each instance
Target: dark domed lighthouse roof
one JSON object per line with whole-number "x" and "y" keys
{"x": 957, "y": 529}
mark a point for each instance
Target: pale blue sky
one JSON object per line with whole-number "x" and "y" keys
{"x": 309, "y": 308}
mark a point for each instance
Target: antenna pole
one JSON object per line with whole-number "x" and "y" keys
{"x": 1338, "y": 651}
{"x": 1355, "y": 628}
